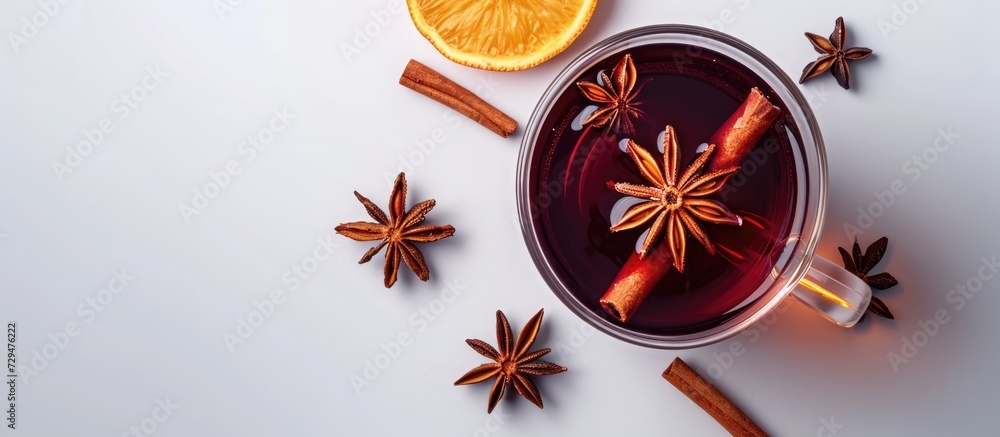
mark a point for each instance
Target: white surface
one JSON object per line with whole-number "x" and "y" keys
{"x": 162, "y": 337}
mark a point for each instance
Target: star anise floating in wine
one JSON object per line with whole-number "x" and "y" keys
{"x": 616, "y": 97}
{"x": 512, "y": 363}
{"x": 676, "y": 201}
{"x": 834, "y": 55}
{"x": 398, "y": 232}
{"x": 861, "y": 263}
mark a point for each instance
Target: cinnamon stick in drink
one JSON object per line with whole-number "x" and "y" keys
{"x": 733, "y": 141}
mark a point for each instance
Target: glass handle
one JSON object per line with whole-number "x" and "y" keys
{"x": 834, "y": 292}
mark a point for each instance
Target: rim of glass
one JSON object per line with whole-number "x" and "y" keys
{"x": 804, "y": 235}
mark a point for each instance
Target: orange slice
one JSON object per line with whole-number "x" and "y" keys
{"x": 500, "y": 35}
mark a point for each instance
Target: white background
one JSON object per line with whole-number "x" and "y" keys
{"x": 162, "y": 338}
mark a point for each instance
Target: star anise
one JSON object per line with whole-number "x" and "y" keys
{"x": 860, "y": 264}
{"x": 512, "y": 363}
{"x": 677, "y": 201}
{"x": 615, "y": 97}
{"x": 834, "y": 55}
{"x": 398, "y": 231}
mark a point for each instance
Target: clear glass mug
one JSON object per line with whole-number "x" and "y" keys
{"x": 822, "y": 285}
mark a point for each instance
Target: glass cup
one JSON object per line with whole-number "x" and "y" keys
{"x": 829, "y": 289}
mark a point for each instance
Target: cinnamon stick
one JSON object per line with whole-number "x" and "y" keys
{"x": 733, "y": 141}
{"x": 430, "y": 83}
{"x": 710, "y": 399}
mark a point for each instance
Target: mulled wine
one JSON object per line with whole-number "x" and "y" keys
{"x": 694, "y": 90}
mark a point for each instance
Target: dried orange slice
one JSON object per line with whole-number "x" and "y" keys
{"x": 500, "y": 35}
